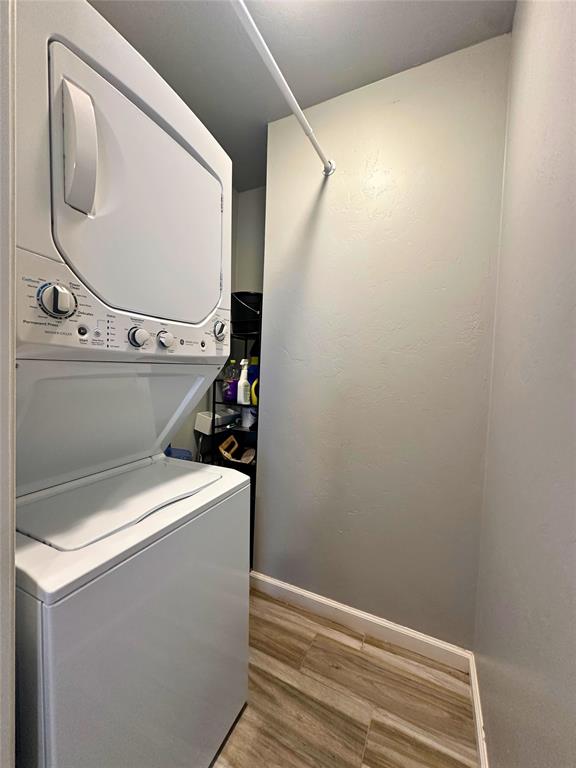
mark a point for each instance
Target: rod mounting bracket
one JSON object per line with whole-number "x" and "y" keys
{"x": 330, "y": 168}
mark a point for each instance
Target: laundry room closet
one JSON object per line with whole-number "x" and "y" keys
{"x": 287, "y": 386}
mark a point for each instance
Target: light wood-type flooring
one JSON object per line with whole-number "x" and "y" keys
{"x": 324, "y": 696}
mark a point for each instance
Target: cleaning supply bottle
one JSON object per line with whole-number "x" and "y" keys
{"x": 253, "y": 369}
{"x": 254, "y": 392}
{"x": 253, "y": 373}
{"x": 244, "y": 385}
{"x": 230, "y": 382}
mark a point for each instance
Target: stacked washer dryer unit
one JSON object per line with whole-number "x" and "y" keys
{"x": 132, "y": 569}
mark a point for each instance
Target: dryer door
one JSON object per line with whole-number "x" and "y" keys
{"x": 136, "y": 214}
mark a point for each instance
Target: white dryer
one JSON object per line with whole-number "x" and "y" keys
{"x": 132, "y": 569}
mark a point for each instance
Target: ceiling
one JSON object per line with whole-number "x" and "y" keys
{"x": 324, "y": 48}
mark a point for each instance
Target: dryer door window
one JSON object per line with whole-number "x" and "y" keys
{"x": 136, "y": 215}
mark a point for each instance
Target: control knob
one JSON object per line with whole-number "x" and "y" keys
{"x": 220, "y": 330}
{"x": 57, "y": 301}
{"x": 166, "y": 339}
{"x": 138, "y": 336}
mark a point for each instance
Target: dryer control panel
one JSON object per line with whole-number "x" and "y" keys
{"x": 58, "y": 317}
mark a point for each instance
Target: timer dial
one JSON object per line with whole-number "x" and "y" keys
{"x": 56, "y": 300}
{"x": 219, "y": 330}
{"x": 166, "y": 339}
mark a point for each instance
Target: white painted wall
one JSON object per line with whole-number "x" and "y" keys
{"x": 248, "y": 262}
{"x": 526, "y": 623}
{"x": 378, "y": 297}
{"x": 7, "y": 20}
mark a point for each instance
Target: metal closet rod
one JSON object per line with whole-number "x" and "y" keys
{"x": 260, "y": 44}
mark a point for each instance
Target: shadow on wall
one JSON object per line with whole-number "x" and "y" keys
{"x": 295, "y": 284}
{"x": 337, "y": 456}
{"x": 300, "y": 260}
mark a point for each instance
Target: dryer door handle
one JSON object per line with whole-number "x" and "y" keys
{"x": 80, "y": 147}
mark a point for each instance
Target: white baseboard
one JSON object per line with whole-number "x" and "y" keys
{"x": 381, "y": 629}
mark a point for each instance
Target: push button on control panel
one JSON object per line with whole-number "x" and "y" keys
{"x": 138, "y": 336}
{"x": 56, "y": 300}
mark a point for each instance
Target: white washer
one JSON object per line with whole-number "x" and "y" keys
{"x": 132, "y": 569}
{"x": 132, "y": 630}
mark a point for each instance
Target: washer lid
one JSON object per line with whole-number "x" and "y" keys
{"x": 76, "y": 419}
{"x": 83, "y": 513}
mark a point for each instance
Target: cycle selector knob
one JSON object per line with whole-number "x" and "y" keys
{"x": 166, "y": 339}
{"x": 138, "y": 336}
{"x": 219, "y": 330}
{"x": 57, "y": 301}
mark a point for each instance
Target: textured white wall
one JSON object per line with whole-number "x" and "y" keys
{"x": 526, "y": 624}
{"x": 378, "y": 296}
{"x": 248, "y": 263}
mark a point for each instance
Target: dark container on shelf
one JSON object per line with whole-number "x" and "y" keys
{"x": 246, "y": 314}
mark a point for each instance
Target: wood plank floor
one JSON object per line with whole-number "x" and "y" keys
{"x": 323, "y": 696}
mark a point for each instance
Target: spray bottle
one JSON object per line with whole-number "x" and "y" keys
{"x": 244, "y": 385}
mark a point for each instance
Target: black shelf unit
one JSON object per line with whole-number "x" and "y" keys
{"x": 248, "y": 438}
